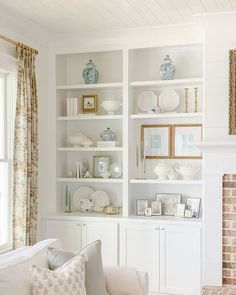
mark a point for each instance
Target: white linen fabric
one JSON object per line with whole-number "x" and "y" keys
{"x": 130, "y": 281}
{"x": 68, "y": 279}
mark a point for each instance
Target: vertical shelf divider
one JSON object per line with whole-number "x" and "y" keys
{"x": 125, "y": 133}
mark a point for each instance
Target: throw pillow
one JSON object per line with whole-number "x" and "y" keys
{"x": 69, "y": 279}
{"x": 95, "y": 282}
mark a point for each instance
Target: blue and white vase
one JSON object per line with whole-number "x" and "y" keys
{"x": 167, "y": 69}
{"x": 90, "y": 74}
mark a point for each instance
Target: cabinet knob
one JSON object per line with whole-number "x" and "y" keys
{"x": 163, "y": 228}
{"x": 78, "y": 224}
{"x": 83, "y": 224}
{"x": 157, "y": 228}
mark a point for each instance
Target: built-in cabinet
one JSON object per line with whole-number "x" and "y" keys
{"x": 168, "y": 248}
{"x": 170, "y": 254}
{"x": 75, "y": 235}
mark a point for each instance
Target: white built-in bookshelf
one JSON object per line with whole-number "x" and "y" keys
{"x": 124, "y": 74}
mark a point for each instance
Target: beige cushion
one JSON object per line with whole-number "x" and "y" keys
{"x": 68, "y": 279}
{"x": 94, "y": 275}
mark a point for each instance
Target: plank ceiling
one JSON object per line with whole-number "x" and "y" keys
{"x": 70, "y": 16}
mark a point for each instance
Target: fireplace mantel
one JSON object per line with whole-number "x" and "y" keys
{"x": 217, "y": 146}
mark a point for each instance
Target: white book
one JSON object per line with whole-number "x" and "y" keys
{"x": 107, "y": 143}
{"x": 68, "y": 109}
{"x": 75, "y": 106}
{"x": 72, "y": 106}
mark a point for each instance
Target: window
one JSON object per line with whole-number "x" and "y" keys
{"x": 6, "y": 144}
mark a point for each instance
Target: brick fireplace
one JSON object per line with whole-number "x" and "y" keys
{"x": 228, "y": 240}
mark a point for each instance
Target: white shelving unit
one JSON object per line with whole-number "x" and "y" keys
{"x": 123, "y": 75}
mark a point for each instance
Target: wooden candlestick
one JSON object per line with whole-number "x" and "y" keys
{"x": 186, "y": 99}
{"x": 195, "y": 101}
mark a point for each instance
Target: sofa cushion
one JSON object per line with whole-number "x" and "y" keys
{"x": 94, "y": 275}
{"x": 15, "y": 269}
{"x": 68, "y": 279}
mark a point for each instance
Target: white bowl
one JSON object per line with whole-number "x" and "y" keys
{"x": 111, "y": 106}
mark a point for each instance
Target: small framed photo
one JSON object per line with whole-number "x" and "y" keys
{"x": 169, "y": 202}
{"x": 180, "y": 210}
{"x": 156, "y": 208}
{"x": 156, "y": 141}
{"x": 89, "y": 103}
{"x": 101, "y": 166}
{"x": 194, "y": 205}
{"x": 184, "y": 138}
{"x": 141, "y": 206}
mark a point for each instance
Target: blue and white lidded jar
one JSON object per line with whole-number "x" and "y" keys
{"x": 167, "y": 69}
{"x": 108, "y": 135}
{"x": 90, "y": 74}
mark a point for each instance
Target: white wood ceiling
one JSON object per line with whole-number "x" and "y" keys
{"x": 70, "y": 16}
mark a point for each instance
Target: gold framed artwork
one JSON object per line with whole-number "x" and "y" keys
{"x": 184, "y": 138}
{"x": 89, "y": 103}
{"x": 156, "y": 141}
{"x": 232, "y": 92}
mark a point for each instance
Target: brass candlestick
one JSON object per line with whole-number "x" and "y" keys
{"x": 186, "y": 99}
{"x": 195, "y": 101}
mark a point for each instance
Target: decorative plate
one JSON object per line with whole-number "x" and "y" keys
{"x": 86, "y": 205}
{"x": 100, "y": 200}
{"x": 81, "y": 194}
{"x": 116, "y": 170}
{"x": 147, "y": 99}
{"x": 168, "y": 100}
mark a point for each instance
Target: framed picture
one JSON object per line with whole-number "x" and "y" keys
{"x": 184, "y": 138}
{"x": 169, "y": 202}
{"x": 180, "y": 210}
{"x": 194, "y": 205}
{"x": 89, "y": 103}
{"x": 156, "y": 141}
{"x": 101, "y": 166}
{"x": 156, "y": 208}
{"x": 141, "y": 206}
{"x": 232, "y": 92}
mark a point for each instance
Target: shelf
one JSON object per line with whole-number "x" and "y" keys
{"x": 157, "y": 181}
{"x": 91, "y": 180}
{"x": 90, "y": 117}
{"x": 176, "y": 82}
{"x": 89, "y": 86}
{"x": 90, "y": 149}
{"x": 166, "y": 115}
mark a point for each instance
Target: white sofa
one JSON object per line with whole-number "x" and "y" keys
{"x": 15, "y": 265}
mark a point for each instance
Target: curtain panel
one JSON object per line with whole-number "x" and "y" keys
{"x": 25, "y": 158}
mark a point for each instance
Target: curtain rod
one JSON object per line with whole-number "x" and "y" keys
{"x": 18, "y": 44}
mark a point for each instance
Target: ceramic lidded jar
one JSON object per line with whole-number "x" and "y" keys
{"x": 167, "y": 69}
{"x": 108, "y": 135}
{"x": 90, "y": 74}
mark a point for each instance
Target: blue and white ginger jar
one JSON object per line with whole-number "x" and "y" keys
{"x": 108, "y": 135}
{"x": 90, "y": 74}
{"x": 167, "y": 69}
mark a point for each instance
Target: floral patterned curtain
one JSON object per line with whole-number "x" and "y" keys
{"x": 25, "y": 186}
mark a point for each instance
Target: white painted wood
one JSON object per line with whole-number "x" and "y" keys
{"x": 175, "y": 82}
{"x": 165, "y": 115}
{"x": 139, "y": 248}
{"x": 217, "y": 146}
{"x": 90, "y": 117}
{"x": 90, "y": 180}
{"x": 108, "y": 234}
{"x": 89, "y": 86}
{"x": 168, "y": 182}
{"x": 91, "y": 149}
{"x": 69, "y": 233}
{"x": 180, "y": 260}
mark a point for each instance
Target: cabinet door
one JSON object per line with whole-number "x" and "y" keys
{"x": 180, "y": 260}
{"x": 107, "y": 232}
{"x": 139, "y": 248}
{"x": 68, "y": 232}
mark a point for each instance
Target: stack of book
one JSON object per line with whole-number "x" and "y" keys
{"x": 107, "y": 143}
{"x": 72, "y": 106}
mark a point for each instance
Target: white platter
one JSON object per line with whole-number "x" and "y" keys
{"x": 81, "y": 194}
{"x": 147, "y": 99}
{"x": 168, "y": 100}
{"x": 100, "y": 200}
